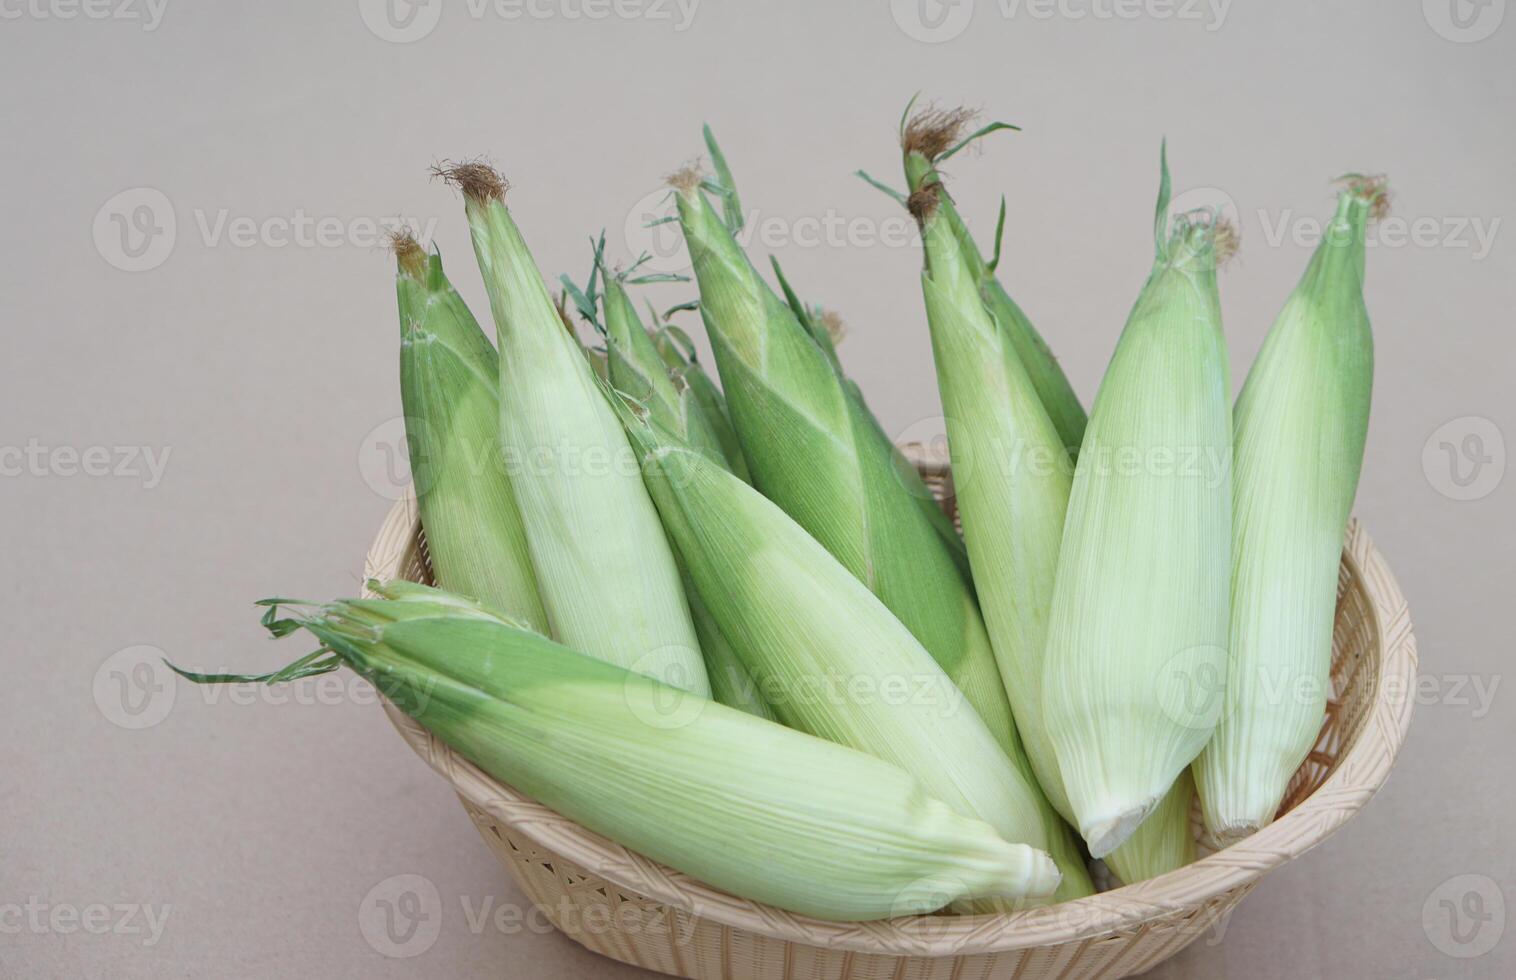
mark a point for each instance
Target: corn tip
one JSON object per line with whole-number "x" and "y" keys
{"x": 1106, "y": 834}
{"x": 1228, "y": 241}
{"x": 475, "y": 178}
{"x": 1372, "y": 189}
{"x": 409, "y": 254}
{"x": 931, "y": 131}
{"x": 687, "y": 178}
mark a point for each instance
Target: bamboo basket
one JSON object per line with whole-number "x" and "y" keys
{"x": 630, "y": 909}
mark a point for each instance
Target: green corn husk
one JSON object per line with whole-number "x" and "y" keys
{"x": 1136, "y": 651}
{"x": 678, "y": 352}
{"x": 604, "y": 568}
{"x": 448, "y": 372}
{"x": 814, "y": 450}
{"x": 1011, "y": 477}
{"x": 830, "y": 658}
{"x": 1302, "y": 420}
{"x": 930, "y": 137}
{"x": 826, "y": 329}
{"x": 750, "y": 807}
{"x": 637, "y": 369}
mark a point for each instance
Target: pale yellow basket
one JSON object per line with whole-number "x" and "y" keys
{"x": 628, "y": 908}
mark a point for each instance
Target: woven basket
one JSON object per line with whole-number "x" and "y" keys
{"x": 628, "y": 908}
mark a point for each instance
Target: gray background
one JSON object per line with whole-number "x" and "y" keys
{"x": 265, "y": 368}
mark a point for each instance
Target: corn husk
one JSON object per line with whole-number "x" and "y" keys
{"x": 604, "y": 568}
{"x": 827, "y": 330}
{"x": 1136, "y": 652}
{"x": 828, "y": 655}
{"x": 448, "y": 371}
{"x": 750, "y": 807}
{"x": 678, "y": 352}
{"x": 935, "y": 135}
{"x": 815, "y": 451}
{"x": 1301, "y": 422}
{"x": 636, "y": 369}
{"x": 1012, "y": 476}
{"x": 1163, "y": 842}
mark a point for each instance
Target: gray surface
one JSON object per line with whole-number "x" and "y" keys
{"x": 263, "y": 370}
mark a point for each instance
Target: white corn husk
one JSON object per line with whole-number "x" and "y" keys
{"x": 604, "y": 568}
{"x": 1136, "y": 652}
{"x": 1301, "y": 422}
{"x": 1011, "y": 477}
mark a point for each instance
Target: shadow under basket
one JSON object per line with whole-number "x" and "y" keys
{"x": 624, "y": 906}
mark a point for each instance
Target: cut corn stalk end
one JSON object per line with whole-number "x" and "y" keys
{"x": 1104, "y": 835}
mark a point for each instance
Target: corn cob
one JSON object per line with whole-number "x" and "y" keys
{"x": 1302, "y": 419}
{"x": 830, "y": 658}
{"x": 1010, "y": 498}
{"x": 1011, "y": 475}
{"x": 749, "y": 806}
{"x": 814, "y": 450}
{"x": 448, "y": 390}
{"x": 1136, "y": 651}
{"x": 934, "y": 135}
{"x": 604, "y": 568}
{"x": 636, "y": 369}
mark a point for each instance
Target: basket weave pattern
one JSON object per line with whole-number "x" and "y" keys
{"x": 628, "y": 908}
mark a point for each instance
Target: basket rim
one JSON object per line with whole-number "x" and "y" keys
{"x": 1361, "y": 770}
